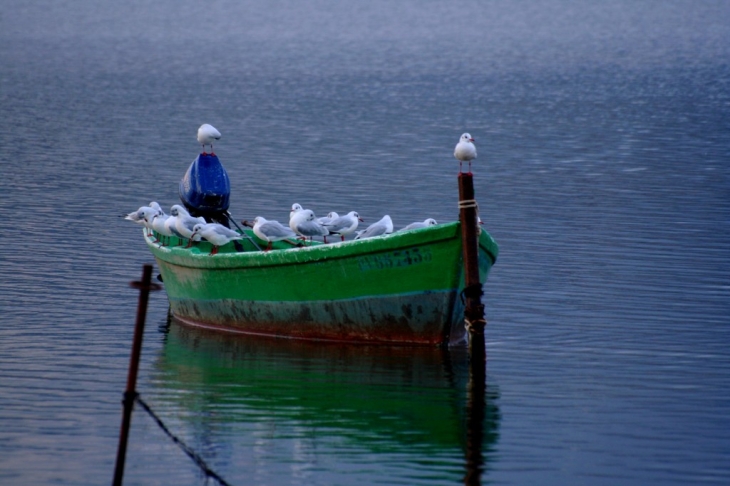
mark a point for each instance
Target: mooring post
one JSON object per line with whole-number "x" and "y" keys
{"x": 130, "y": 393}
{"x": 474, "y": 309}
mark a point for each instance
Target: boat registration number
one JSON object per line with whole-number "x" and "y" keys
{"x": 394, "y": 259}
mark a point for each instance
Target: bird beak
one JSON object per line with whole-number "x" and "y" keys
{"x": 471, "y": 139}
{"x": 361, "y": 220}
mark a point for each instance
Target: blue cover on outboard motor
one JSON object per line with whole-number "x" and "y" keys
{"x": 206, "y": 189}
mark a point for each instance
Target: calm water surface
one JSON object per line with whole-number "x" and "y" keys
{"x": 603, "y": 172}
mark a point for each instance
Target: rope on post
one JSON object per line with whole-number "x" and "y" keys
{"x": 186, "y": 448}
{"x": 468, "y": 203}
{"x": 476, "y": 326}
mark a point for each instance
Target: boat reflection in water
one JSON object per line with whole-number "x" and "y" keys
{"x": 269, "y": 408}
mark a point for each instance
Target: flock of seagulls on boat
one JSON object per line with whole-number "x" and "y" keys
{"x": 303, "y": 223}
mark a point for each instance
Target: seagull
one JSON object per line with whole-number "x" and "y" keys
{"x": 384, "y": 226}
{"x": 344, "y": 225}
{"x": 294, "y": 208}
{"x": 206, "y": 135}
{"x": 465, "y": 151}
{"x": 155, "y": 205}
{"x": 271, "y": 231}
{"x": 331, "y": 216}
{"x": 215, "y": 233}
{"x": 138, "y": 216}
{"x": 421, "y": 224}
{"x": 158, "y": 224}
{"x": 143, "y": 216}
{"x": 181, "y": 224}
{"x": 304, "y": 223}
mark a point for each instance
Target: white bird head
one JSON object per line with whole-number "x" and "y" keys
{"x": 196, "y": 231}
{"x": 465, "y": 137}
{"x": 207, "y": 134}
{"x": 147, "y": 214}
{"x": 430, "y": 222}
{"x": 178, "y": 210}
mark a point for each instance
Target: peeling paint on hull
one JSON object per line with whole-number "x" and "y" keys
{"x": 403, "y": 288}
{"x": 415, "y": 319}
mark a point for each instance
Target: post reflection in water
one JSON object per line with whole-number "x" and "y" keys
{"x": 476, "y": 405}
{"x": 270, "y": 409}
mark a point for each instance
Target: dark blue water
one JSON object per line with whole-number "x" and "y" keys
{"x": 604, "y": 173}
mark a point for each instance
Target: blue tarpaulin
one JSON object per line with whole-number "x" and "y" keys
{"x": 205, "y": 189}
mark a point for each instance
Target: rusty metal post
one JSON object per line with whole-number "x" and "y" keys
{"x": 130, "y": 393}
{"x": 474, "y": 310}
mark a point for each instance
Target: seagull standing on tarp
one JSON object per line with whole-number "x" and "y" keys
{"x": 465, "y": 151}
{"x": 207, "y": 134}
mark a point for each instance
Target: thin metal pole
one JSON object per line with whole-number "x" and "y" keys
{"x": 130, "y": 394}
{"x": 474, "y": 309}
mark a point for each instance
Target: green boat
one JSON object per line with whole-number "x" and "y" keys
{"x": 404, "y": 287}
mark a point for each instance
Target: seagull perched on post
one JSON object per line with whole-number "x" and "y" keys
{"x": 206, "y": 135}
{"x": 465, "y": 151}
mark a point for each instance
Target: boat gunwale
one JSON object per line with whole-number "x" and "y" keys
{"x": 194, "y": 258}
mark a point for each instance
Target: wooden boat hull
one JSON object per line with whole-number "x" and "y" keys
{"x": 401, "y": 288}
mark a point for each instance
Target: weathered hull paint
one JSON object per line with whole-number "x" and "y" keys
{"x": 417, "y": 318}
{"x": 403, "y": 288}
